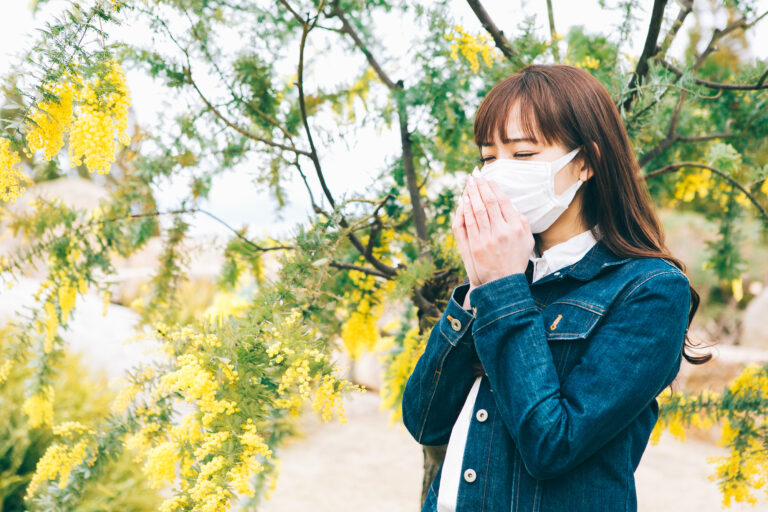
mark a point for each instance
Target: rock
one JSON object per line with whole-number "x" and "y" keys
{"x": 753, "y": 329}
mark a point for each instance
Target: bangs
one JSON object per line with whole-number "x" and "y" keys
{"x": 540, "y": 111}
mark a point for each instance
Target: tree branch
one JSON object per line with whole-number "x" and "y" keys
{"x": 677, "y": 166}
{"x": 188, "y": 73}
{"x": 351, "y": 32}
{"x": 488, "y": 24}
{"x": 699, "y": 138}
{"x": 378, "y": 265}
{"x": 552, "y": 32}
{"x": 760, "y": 84}
{"x": 419, "y": 216}
{"x": 649, "y": 50}
{"x": 349, "y": 266}
{"x": 685, "y": 10}
{"x": 238, "y": 129}
{"x": 672, "y": 135}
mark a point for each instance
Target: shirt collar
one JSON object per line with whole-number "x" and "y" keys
{"x": 597, "y": 258}
{"x": 564, "y": 253}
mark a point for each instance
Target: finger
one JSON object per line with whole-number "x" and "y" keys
{"x": 491, "y": 201}
{"x": 470, "y": 221}
{"x": 469, "y": 261}
{"x": 482, "y": 221}
{"x": 508, "y": 210}
{"x": 460, "y": 235}
{"x": 526, "y": 223}
{"x": 458, "y": 214}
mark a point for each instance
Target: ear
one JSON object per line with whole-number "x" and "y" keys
{"x": 586, "y": 172}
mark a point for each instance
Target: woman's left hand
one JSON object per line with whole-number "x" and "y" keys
{"x": 500, "y": 238}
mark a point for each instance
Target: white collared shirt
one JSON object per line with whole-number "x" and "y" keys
{"x": 556, "y": 257}
{"x": 561, "y": 255}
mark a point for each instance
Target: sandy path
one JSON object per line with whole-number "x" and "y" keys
{"x": 366, "y": 466}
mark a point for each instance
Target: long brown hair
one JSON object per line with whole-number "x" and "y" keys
{"x": 567, "y": 105}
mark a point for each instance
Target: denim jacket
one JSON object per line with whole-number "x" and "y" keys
{"x": 572, "y": 364}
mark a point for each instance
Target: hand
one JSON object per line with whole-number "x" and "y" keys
{"x": 499, "y": 238}
{"x": 462, "y": 241}
{"x": 466, "y": 304}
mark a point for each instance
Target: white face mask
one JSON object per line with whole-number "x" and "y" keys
{"x": 530, "y": 186}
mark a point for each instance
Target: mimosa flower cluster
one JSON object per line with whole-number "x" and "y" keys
{"x": 211, "y": 453}
{"x": 742, "y": 408}
{"x": 94, "y": 113}
{"x": 11, "y": 175}
{"x": 473, "y": 48}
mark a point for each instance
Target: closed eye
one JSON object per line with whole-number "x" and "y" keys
{"x": 516, "y": 155}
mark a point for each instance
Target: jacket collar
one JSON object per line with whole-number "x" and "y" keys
{"x": 598, "y": 258}
{"x": 593, "y": 262}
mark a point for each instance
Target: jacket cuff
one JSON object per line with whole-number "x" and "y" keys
{"x": 456, "y": 320}
{"x": 499, "y": 298}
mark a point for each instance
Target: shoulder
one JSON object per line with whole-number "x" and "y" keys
{"x": 654, "y": 274}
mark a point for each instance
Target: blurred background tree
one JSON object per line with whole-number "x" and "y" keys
{"x": 698, "y": 125}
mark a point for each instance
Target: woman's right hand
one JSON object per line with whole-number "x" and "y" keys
{"x": 466, "y": 304}
{"x": 462, "y": 241}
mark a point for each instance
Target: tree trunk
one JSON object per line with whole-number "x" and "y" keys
{"x": 433, "y": 457}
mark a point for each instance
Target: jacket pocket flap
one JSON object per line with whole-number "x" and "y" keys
{"x": 569, "y": 320}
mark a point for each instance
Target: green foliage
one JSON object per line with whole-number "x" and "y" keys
{"x": 80, "y": 397}
{"x": 252, "y": 114}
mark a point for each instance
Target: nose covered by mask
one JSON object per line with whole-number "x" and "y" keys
{"x": 530, "y": 186}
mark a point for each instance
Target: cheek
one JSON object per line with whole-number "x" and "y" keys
{"x": 566, "y": 177}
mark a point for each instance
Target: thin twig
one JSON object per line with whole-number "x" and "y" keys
{"x": 677, "y": 166}
{"x": 760, "y": 84}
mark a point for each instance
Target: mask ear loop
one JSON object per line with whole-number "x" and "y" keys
{"x": 562, "y": 162}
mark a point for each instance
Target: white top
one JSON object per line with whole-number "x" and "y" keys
{"x": 554, "y": 258}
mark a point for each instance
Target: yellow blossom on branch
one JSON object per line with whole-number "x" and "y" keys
{"x": 102, "y": 118}
{"x": 57, "y": 462}
{"x": 39, "y": 408}
{"x": 49, "y": 121}
{"x": 471, "y": 47}
{"x": 10, "y": 172}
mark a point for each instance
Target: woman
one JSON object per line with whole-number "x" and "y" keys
{"x": 574, "y": 317}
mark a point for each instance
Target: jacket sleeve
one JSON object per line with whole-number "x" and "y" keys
{"x": 631, "y": 357}
{"x": 438, "y": 386}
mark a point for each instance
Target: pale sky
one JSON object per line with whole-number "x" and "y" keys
{"x": 350, "y": 166}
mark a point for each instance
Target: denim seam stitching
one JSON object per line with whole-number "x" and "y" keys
{"x": 647, "y": 278}
{"x": 584, "y": 305}
{"x": 428, "y": 405}
{"x": 453, "y": 343}
{"x": 488, "y": 461}
{"x": 629, "y": 472}
{"x": 489, "y": 322}
{"x": 517, "y": 472}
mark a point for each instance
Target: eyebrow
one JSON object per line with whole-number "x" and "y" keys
{"x": 506, "y": 141}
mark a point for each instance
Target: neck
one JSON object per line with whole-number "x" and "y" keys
{"x": 566, "y": 226}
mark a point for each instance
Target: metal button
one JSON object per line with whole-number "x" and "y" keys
{"x": 455, "y": 323}
{"x": 474, "y": 310}
{"x": 469, "y": 475}
{"x": 481, "y": 415}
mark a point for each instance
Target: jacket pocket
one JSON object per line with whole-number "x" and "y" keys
{"x": 570, "y": 319}
{"x": 567, "y": 324}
